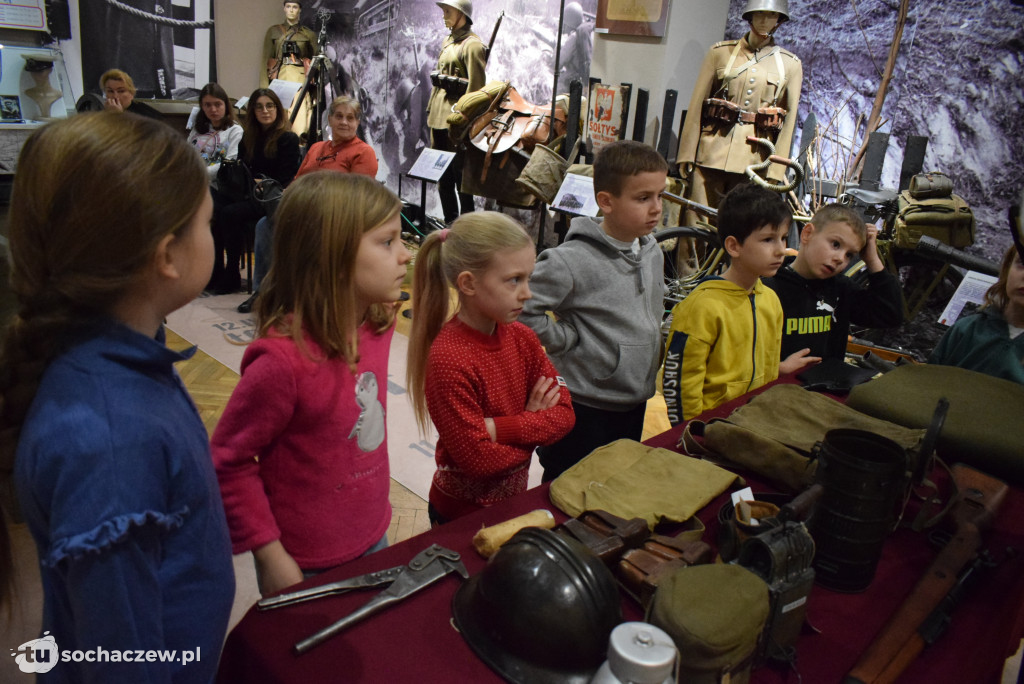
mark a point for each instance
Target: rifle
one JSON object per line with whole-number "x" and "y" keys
{"x": 690, "y": 204}
{"x": 494, "y": 34}
{"x": 919, "y": 621}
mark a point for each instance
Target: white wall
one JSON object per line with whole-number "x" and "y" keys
{"x": 240, "y": 27}
{"x": 660, "y": 64}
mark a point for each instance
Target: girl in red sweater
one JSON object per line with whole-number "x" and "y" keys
{"x": 301, "y": 450}
{"x": 482, "y": 378}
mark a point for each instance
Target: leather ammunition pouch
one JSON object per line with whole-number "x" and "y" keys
{"x": 768, "y": 121}
{"x": 453, "y": 86}
{"x": 606, "y": 535}
{"x": 717, "y": 113}
{"x": 641, "y": 570}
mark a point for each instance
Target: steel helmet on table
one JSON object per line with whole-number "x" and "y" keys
{"x": 780, "y": 7}
{"x": 464, "y": 6}
{"x": 540, "y": 611}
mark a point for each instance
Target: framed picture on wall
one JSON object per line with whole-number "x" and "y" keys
{"x": 632, "y": 17}
{"x": 10, "y": 109}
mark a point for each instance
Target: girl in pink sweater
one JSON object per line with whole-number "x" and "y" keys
{"x": 482, "y": 378}
{"x": 301, "y": 450}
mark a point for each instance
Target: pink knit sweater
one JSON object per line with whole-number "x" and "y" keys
{"x": 301, "y": 451}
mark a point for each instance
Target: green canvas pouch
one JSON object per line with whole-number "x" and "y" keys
{"x": 774, "y": 434}
{"x": 631, "y": 480}
{"x": 984, "y": 426}
{"x": 715, "y": 615}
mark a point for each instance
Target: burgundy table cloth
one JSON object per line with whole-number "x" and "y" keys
{"x": 415, "y": 640}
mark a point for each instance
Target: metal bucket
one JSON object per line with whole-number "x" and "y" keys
{"x": 864, "y": 476}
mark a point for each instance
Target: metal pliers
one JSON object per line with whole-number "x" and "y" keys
{"x": 427, "y": 567}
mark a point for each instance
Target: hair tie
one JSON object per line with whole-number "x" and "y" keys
{"x": 444, "y": 234}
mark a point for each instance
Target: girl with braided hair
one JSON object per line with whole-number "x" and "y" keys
{"x": 110, "y": 460}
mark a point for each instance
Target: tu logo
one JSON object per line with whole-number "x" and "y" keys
{"x": 38, "y": 656}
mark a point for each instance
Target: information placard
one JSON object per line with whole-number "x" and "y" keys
{"x": 27, "y": 15}
{"x": 576, "y": 196}
{"x": 430, "y": 165}
{"x": 971, "y": 291}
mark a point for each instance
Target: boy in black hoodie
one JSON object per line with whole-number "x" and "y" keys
{"x": 818, "y": 301}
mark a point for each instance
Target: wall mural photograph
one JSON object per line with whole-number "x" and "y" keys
{"x": 956, "y": 78}
{"x": 383, "y": 53}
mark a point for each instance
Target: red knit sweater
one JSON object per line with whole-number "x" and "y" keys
{"x": 472, "y": 376}
{"x": 301, "y": 451}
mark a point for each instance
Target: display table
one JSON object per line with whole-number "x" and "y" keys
{"x": 415, "y": 641}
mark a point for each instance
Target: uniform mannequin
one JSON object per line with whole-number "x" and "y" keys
{"x": 463, "y": 55}
{"x": 752, "y": 73}
{"x": 287, "y": 51}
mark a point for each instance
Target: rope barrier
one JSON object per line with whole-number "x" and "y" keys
{"x": 156, "y": 18}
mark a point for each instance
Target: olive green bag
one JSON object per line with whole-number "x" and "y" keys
{"x": 715, "y": 615}
{"x": 631, "y": 480}
{"x": 774, "y": 434}
{"x": 984, "y": 426}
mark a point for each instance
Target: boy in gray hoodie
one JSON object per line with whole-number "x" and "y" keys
{"x": 605, "y": 286}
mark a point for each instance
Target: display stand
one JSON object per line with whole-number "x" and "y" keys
{"x": 428, "y": 168}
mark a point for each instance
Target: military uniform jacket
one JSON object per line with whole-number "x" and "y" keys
{"x": 756, "y": 82}
{"x": 464, "y": 55}
{"x": 273, "y": 44}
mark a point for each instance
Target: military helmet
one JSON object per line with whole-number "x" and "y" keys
{"x": 540, "y": 611}
{"x": 780, "y": 7}
{"x": 464, "y": 6}
{"x": 572, "y": 18}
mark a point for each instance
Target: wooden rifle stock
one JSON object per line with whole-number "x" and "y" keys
{"x": 979, "y": 498}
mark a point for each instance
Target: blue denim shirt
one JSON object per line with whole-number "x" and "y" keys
{"x": 115, "y": 480}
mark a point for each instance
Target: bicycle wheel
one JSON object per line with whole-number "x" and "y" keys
{"x": 691, "y": 254}
{"x": 927, "y": 286}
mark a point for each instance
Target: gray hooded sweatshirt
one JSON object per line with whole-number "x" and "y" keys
{"x": 608, "y": 305}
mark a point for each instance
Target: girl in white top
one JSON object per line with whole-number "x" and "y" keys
{"x": 216, "y": 134}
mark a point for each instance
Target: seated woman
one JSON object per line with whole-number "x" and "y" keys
{"x": 119, "y": 95}
{"x": 270, "y": 150}
{"x": 992, "y": 340}
{"x": 216, "y": 134}
{"x": 344, "y": 152}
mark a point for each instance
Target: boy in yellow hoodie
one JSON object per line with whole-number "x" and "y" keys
{"x": 726, "y": 335}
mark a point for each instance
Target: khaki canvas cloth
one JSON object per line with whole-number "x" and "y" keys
{"x": 773, "y": 435}
{"x": 984, "y": 427}
{"x": 631, "y": 480}
{"x": 715, "y": 615}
